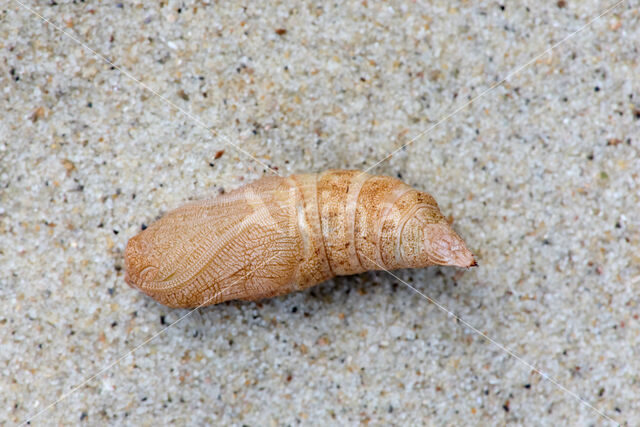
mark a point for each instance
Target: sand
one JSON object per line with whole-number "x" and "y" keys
{"x": 539, "y": 174}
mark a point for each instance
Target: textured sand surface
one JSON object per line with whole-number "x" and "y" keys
{"x": 541, "y": 176}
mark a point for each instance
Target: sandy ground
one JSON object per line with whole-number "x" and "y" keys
{"x": 539, "y": 174}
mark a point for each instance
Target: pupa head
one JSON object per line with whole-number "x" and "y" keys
{"x": 140, "y": 264}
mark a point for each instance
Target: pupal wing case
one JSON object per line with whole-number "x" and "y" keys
{"x": 278, "y": 235}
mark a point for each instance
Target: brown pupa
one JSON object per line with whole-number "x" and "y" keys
{"x": 278, "y": 235}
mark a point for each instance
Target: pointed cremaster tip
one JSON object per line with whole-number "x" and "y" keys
{"x": 462, "y": 257}
{"x": 447, "y": 248}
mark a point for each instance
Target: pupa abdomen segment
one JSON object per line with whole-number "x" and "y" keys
{"x": 279, "y": 235}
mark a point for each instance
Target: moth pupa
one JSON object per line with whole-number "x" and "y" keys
{"x": 283, "y": 234}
